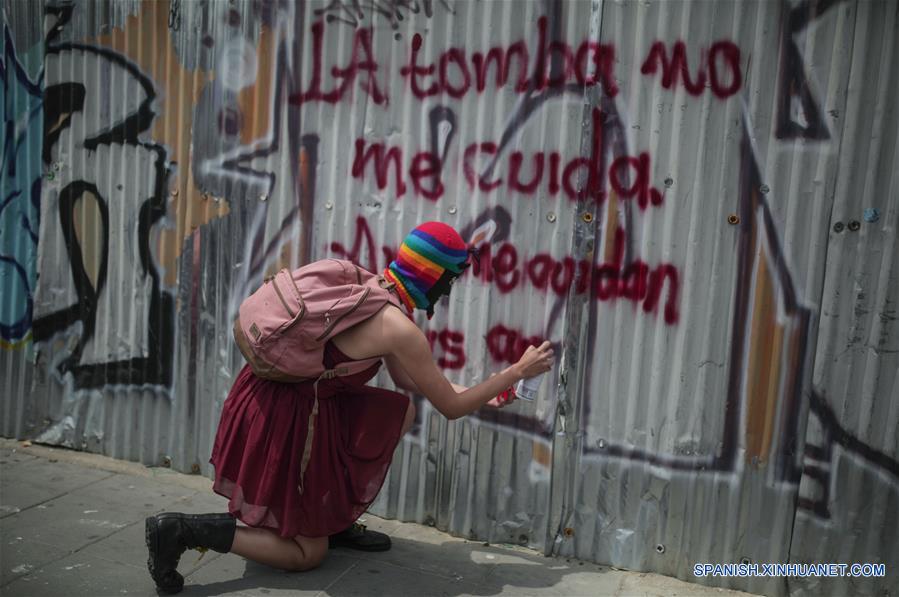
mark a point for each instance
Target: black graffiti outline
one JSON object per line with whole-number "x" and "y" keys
{"x": 440, "y": 114}
{"x": 156, "y": 368}
{"x": 175, "y": 15}
{"x": 788, "y": 469}
{"x": 793, "y": 78}
{"x": 835, "y": 433}
{"x": 352, "y": 12}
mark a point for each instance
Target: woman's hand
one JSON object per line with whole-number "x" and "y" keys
{"x": 535, "y": 360}
{"x": 505, "y": 398}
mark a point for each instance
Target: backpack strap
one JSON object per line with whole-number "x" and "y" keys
{"x": 340, "y": 370}
{"x": 310, "y": 429}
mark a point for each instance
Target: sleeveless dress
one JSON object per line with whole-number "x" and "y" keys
{"x": 261, "y": 439}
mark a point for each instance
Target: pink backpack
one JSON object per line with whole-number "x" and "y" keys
{"x": 282, "y": 328}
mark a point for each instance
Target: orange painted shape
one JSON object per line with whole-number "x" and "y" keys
{"x": 763, "y": 375}
{"x": 541, "y": 454}
{"x": 145, "y": 39}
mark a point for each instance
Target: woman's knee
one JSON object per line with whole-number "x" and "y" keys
{"x": 311, "y": 552}
{"x": 410, "y": 417}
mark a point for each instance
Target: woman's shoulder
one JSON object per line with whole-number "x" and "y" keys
{"x": 397, "y": 323}
{"x": 380, "y": 334}
{"x": 403, "y": 336}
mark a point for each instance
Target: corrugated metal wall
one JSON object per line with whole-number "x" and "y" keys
{"x": 696, "y": 200}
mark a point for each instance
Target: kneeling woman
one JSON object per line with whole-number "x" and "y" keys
{"x": 297, "y": 497}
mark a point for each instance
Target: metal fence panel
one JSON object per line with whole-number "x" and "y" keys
{"x": 695, "y": 201}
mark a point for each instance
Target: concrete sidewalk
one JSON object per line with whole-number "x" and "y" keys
{"x": 72, "y": 523}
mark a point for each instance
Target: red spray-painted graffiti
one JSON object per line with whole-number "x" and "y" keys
{"x": 424, "y": 167}
{"x": 364, "y": 240}
{"x": 552, "y": 64}
{"x": 722, "y": 58}
{"x": 506, "y": 345}
{"x": 628, "y": 175}
{"x": 502, "y": 267}
{"x": 451, "y": 345}
{"x": 635, "y": 281}
{"x": 589, "y": 64}
{"x": 362, "y": 64}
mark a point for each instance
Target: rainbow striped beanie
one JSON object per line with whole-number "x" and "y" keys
{"x": 431, "y": 256}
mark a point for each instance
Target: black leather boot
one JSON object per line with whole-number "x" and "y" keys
{"x": 169, "y": 534}
{"x": 359, "y": 537}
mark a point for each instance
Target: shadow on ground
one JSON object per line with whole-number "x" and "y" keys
{"x": 412, "y": 568}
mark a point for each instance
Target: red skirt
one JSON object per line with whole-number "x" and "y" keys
{"x": 261, "y": 438}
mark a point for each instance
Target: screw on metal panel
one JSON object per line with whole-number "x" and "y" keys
{"x": 838, "y": 227}
{"x": 195, "y": 468}
{"x": 854, "y": 225}
{"x": 167, "y": 461}
{"x": 669, "y": 181}
{"x": 263, "y": 197}
{"x": 764, "y": 188}
{"x": 602, "y": 444}
{"x": 452, "y": 210}
{"x": 550, "y": 217}
{"x": 733, "y": 219}
{"x": 329, "y": 205}
{"x": 660, "y": 548}
{"x": 587, "y": 217}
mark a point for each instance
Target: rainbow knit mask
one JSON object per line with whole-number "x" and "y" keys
{"x": 430, "y": 258}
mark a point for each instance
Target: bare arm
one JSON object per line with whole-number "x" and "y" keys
{"x": 402, "y": 379}
{"x": 404, "y": 382}
{"x": 410, "y": 352}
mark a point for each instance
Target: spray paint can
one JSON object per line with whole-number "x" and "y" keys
{"x": 526, "y": 389}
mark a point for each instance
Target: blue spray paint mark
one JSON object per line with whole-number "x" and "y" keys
{"x": 872, "y": 214}
{"x": 21, "y": 114}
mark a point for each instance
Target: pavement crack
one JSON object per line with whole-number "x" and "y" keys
{"x": 107, "y": 536}
{"x": 55, "y": 497}
{"x": 333, "y": 582}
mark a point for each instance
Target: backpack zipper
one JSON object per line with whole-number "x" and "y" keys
{"x": 283, "y": 302}
{"x": 338, "y": 320}
{"x": 299, "y": 298}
